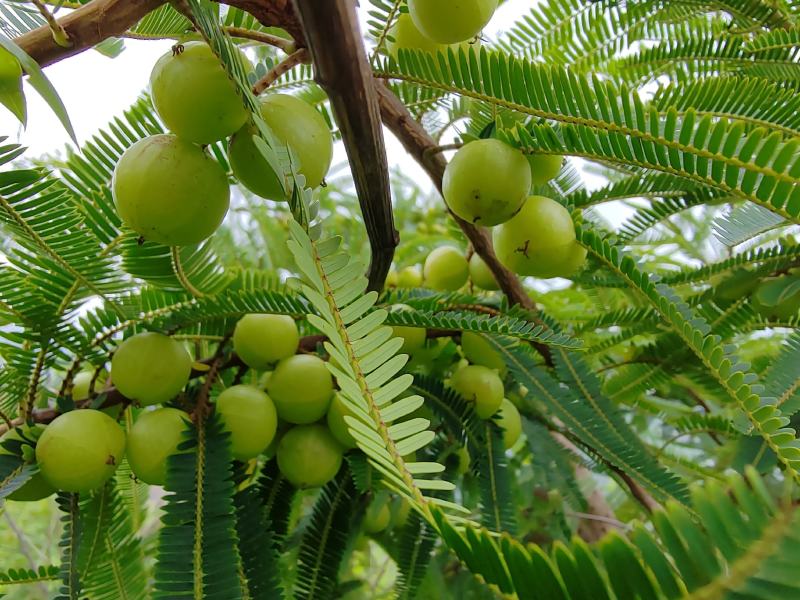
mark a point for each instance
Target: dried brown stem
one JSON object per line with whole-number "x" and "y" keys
{"x": 287, "y": 64}
{"x": 288, "y": 46}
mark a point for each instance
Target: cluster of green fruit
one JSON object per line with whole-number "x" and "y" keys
{"x": 169, "y": 190}
{"x": 772, "y": 297}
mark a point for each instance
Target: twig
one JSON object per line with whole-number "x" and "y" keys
{"x": 7, "y": 421}
{"x": 439, "y": 149}
{"x": 60, "y": 36}
{"x": 287, "y": 64}
{"x": 288, "y": 46}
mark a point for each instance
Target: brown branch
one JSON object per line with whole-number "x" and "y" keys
{"x": 287, "y": 64}
{"x": 288, "y": 46}
{"x": 334, "y": 38}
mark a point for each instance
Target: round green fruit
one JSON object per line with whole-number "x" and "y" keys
{"x": 511, "y": 423}
{"x": 36, "y": 488}
{"x": 152, "y": 440}
{"x": 544, "y": 167}
{"x": 480, "y": 385}
{"x": 778, "y": 298}
{"x": 81, "y": 383}
{"x": 150, "y": 368}
{"x": 413, "y": 337}
{"x": 250, "y": 417}
{"x": 336, "y": 423}
{"x": 401, "y": 509}
{"x": 391, "y": 279}
{"x": 539, "y": 240}
{"x": 409, "y": 277}
{"x": 487, "y": 182}
{"x": 261, "y": 340}
{"x": 445, "y": 269}
{"x": 451, "y": 21}
{"x": 480, "y": 352}
{"x": 462, "y": 467}
{"x": 169, "y": 191}
{"x": 378, "y": 516}
{"x": 404, "y": 35}
{"x": 480, "y": 274}
{"x": 309, "y": 456}
{"x": 301, "y": 387}
{"x": 80, "y": 450}
{"x": 295, "y": 123}
{"x": 194, "y": 96}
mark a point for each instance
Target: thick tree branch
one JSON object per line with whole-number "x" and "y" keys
{"x": 337, "y": 49}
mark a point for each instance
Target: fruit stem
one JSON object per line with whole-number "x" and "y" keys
{"x": 60, "y": 35}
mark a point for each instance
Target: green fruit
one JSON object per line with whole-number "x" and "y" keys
{"x": 405, "y": 35}
{"x": 480, "y": 274}
{"x": 391, "y": 279}
{"x": 778, "y": 298}
{"x": 480, "y": 352}
{"x": 574, "y": 260}
{"x": 81, "y": 383}
{"x": 451, "y": 21}
{"x": 736, "y": 286}
{"x": 539, "y": 240}
{"x": 409, "y": 277}
{"x": 445, "y": 269}
{"x": 309, "y": 456}
{"x": 413, "y": 337}
{"x": 152, "y": 440}
{"x": 301, "y": 387}
{"x": 194, "y": 96}
{"x": 400, "y": 508}
{"x": 511, "y": 422}
{"x": 378, "y": 516}
{"x": 250, "y": 417}
{"x": 80, "y": 450}
{"x": 169, "y": 191}
{"x": 487, "y": 182}
{"x": 480, "y": 385}
{"x": 295, "y": 123}
{"x": 544, "y": 167}
{"x": 261, "y": 340}
{"x": 336, "y": 423}
{"x": 36, "y": 488}
{"x": 463, "y": 461}
{"x": 150, "y": 368}
{"x": 11, "y": 94}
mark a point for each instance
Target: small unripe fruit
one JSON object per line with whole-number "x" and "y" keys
{"x": 194, "y": 96}
{"x": 445, "y": 269}
{"x": 81, "y": 383}
{"x": 405, "y": 35}
{"x": 400, "y": 508}
{"x": 409, "y": 277}
{"x": 336, "y": 423}
{"x": 309, "y": 456}
{"x": 261, "y": 340}
{"x": 451, "y": 21}
{"x": 36, "y": 488}
{"x": 301, "y": 387}
{"x": 413, "y": 337}
{"x": 169, "y": 191}
{"x": 480, "y": 274}
{"x": 152, "y": 440}
{"x": 378, "y": 516}
{"x": 250, "y": 417}
{"x": 479, "y": 385}
{"x": 80, "y": 450}
{"x": 150, "y": 368}
{"x": 544, "y": 167}
{"x": 480, "y": 352}
{"x": 511, "y": 422}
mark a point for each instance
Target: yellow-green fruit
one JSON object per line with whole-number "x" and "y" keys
{"x": 250, "y": 417}
{"x": 413, "y": 337}
{"x": 80, "y": 450}
{"x": 539, "y": 240}
{"x": 544, "y": 167}
{"x": 81, "y": 383}
{"x": 487, "y": 182}
{"x": 336, "y": 423}
{"x": 301, "y": 387}
{"x": 480, "y": 385}
{"x": 194, "y": 96}
{"x": 510, "y": 421}
{"x": 480, "y": 274}
{"x": 391, "y": 279}
{"x": 451, "y": 21}
{"x": 409, "y": 277}
{"x": 463, "y": 461}
{"x": 295, "y": 123}
{"x": 261, "y": 340}
{"x": 150, "y": 368}
{"x": 480, "y": 352}
{"x": 169, "y": 191}
{"x": 573, "y": 261}
{"x": 36, "y": 488}
{"x": 445, "y": 269}
{"x": 377, "y": 517}
{"x": 152, "y": 440}
{"x": 405, "y": 36}
{"x": 400, "y": 508}
{"x": 309, "y": 456}
{"x": 11, "y": 94}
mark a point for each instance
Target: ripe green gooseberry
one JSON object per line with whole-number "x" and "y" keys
{"x": 250, "y": 416}
{"x": 445, "y": 269}
{"x": 80, "y": 390}
{"x": 544, "y": 167}
{"x": 152, "y": 440}
{"x": 511, "y": 422}
{"x": 309, "y": 456}
{"x": 261, "y": 340}
{"x": 413, "y": 337}
{"x": 11, "y": 94}
{"x": 194, "y": 96}
{"x": 293, "y": 122}
{"x": 301, "y": 388}
{"x": 150, "y": 368}
{"x": 36, "y": 488}
{"x": 169, "y": 191}
{"x": 480, "y": 385}
{"x": 539, "y": 240}
{"x": 736, "y": 286}
{"x": 480, "y": 352}
{"x": 378, "y": 515}
{"x": 409, "y": 277}
{"x": 451, "y": 21}
{"x": 80, "y": 450}
{"x": 336, "y": 423}
{"x": 480, "y": 274}
{"x": 405, "y": 35}
{"x": 391, "y": 279}
{"x": 487, "y": 182}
